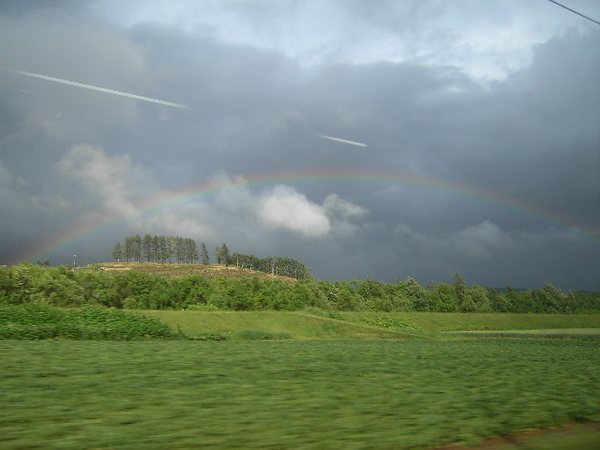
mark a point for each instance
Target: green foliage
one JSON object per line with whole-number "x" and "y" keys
{"x": 204, "y": 254}
{"x": 416, "y": 295}
{"x": 242, "y": 291}
{"x": 43, "y": 322}
{"x": 222, "y": 254}
{"x": 275, "y": 265}
{"x": 57, "y": 287}
{"x": 191, "y": 292}
{"x": 140, "y": 290}
{"x": 460, "y": 288}
{"x": 117, "y": 252}
{"x": 442, "y": 298}
{"x": 207, "y": 336}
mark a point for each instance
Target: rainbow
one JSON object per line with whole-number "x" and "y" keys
{"x": 82, "y": 232}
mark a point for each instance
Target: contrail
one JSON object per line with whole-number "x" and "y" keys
{"x": 99, "y": 89}
{"x": 344, "y": 141}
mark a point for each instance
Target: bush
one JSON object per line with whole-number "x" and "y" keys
{"x": 207, "y": 336}
{"x": 44, "y": 322}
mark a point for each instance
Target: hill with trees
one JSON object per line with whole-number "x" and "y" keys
{"x": 170, "y": 249}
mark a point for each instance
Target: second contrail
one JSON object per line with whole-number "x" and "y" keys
{"x": 98, "y": 88}
{"x": 344, "y": 141}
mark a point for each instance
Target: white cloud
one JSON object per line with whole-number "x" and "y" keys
{"x": 233, "y": 195}
{"x": 284, "y": 207}
{"x": 119, "y": 188}
{"x": 179, "y": 223}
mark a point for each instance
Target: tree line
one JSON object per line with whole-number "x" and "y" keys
{"x": 169, "y": 249}
{"x": 161, "y": 249}
{"x": 62, "y": 286}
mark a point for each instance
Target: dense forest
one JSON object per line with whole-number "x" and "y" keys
{"x": 28, "y": 283}
{"x": 169, "y": 249}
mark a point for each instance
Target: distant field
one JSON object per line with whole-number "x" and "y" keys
{"x": 435, "y": 322}
{"x": 552, "y": 333}
{"x": 291, "y": 394}
{"x": 368, "y": 325}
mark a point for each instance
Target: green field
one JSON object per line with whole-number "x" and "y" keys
{"x": 291, "y": 394}
{"x": 351, "y": 380}
{"x": 435, "y": 322}
{"x": 297, "y": 325}
{"x": 369, "y": 325}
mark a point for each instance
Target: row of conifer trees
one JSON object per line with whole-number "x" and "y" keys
{"x": 163, "y": 249}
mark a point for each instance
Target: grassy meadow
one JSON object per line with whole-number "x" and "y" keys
{"x": 297, "y": 325}
{"x": 291, "y": 394}
{"x": 435, "y": 322}
{"x": 316, "y": 324}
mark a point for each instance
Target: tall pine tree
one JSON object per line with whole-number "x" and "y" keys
{"x": 117, "y": 252}
{"x": 205, "y": 257}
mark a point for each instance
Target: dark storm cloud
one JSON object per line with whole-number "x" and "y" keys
{"x": 528, "y": 140}
{"x": 9, "y": 7}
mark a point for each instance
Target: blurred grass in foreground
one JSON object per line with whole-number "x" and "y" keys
{"x": 284, "y": 394}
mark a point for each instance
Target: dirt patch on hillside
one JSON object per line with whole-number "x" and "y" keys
{"x": 118, "y": 268}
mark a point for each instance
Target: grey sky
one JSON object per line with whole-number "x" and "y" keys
{"x": 480, "y": 120}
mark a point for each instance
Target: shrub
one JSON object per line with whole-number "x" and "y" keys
{"x": 207, "y": 336}
{"x": 44, "y": 322}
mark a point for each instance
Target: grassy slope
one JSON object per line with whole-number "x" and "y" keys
{"x": 445, "y": 322}
{"x": 300, "y": 326}
{"x": 305, "y": 326}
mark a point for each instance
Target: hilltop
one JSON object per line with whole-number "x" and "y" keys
{"x": 175, "y": 270}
